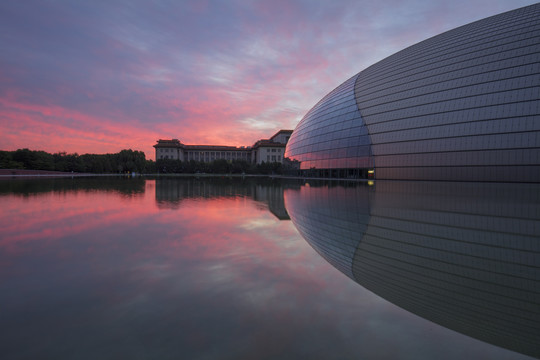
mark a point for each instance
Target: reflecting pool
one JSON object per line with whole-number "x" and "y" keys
{"x": 214, "y": 268}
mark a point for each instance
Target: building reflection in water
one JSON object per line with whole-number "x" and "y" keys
{"x": 463, "y": 255}
{"x": 170, "y": 192}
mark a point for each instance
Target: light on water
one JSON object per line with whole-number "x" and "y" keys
{"x": 228, "y": 268}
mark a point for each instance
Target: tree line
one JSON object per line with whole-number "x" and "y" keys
{"x": 127, "y": 161}
{"x": 122, "y": 162}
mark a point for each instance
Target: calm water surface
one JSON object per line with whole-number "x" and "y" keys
{"x": 241, "y": 269}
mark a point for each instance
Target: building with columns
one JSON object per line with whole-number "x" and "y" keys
{"x": 264, "y": 150}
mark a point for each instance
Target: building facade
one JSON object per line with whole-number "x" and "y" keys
{"x": 270, "y": 150}
{"x": 265, "y": 150}
{"x": 169, "y": 149}
{"x": 461, "y": 106}
{"x": 209, "y": 153}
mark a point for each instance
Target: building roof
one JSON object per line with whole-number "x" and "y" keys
{"x": 216, "y": 148}
{"x": 168, "y": 143}
{"x": 268, "y": 143}
{"x": 263, "y": 142}
{"x": 287, "y": 132}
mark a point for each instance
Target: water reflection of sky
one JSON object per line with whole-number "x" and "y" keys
{"x": 186, "y": 269}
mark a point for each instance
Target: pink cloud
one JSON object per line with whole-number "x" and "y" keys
{"x": 54, "y": 129}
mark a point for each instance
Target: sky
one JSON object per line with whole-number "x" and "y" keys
{"x": 102, "y": 76}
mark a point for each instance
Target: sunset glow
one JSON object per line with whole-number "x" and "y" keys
{"x": 84, "y": 77}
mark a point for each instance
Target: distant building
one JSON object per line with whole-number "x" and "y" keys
{"x": 169, "y": 149}
{"x": 264, "y": 150}
{"x": 270, "y": 150}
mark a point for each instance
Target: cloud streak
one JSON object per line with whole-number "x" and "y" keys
{"x": 98, "y": 77}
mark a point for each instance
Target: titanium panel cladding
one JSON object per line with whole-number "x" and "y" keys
{"x": 461, "y": 106}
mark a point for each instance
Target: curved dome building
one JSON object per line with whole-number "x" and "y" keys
{"x": 461, "y": 106}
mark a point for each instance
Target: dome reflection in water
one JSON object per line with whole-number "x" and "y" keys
{"x": 463, "y": 255}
